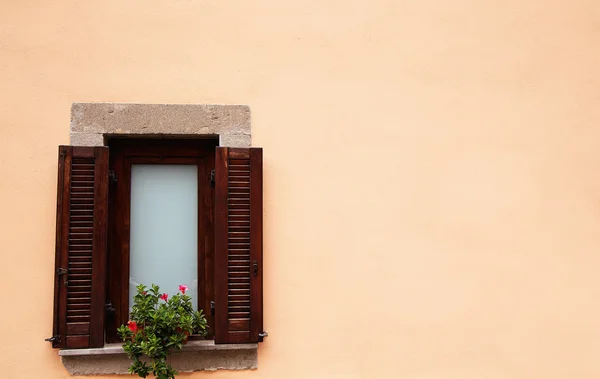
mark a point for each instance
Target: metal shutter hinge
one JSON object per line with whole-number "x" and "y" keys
{"x": 110, "y": 309}
{"x": 62, "y": 271}
{"x": 112, "y": 176}
{"x": 212, "y": 178}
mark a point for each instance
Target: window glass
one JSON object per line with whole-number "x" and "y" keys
{"x": 164, "y": 228}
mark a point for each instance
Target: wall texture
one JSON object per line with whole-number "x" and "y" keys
{"x": 432, "y": 172}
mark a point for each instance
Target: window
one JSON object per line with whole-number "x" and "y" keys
{"x": 146, "y": 236}
{"x": 120, "y": 219}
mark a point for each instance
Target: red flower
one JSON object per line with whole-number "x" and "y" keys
{"x": 132, "y": 325}
{"x": 183, "y": 288}
{"x": 164, "y": 296}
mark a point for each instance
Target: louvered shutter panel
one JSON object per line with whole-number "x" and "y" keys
{"x": 79, "y": 288}
{"x": 238, "y": 245}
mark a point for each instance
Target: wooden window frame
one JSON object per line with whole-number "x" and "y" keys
{"x": 123, "y": 153}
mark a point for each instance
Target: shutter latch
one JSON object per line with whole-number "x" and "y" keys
{"x": 52, "y": 339}
{"x": 212, "y": 307}
{"x": 212, "y": 178}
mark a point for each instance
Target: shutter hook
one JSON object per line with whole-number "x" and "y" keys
{"x": 262, "y": 335}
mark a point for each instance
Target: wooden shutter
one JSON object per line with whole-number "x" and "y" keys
{"x": 238, "y": 245}
{"x": 79, "y": 293}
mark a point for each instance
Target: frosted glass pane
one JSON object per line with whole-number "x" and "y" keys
{"x": 164, "y": 228}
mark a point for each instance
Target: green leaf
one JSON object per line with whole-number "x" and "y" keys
{"x": 162, "y": 327}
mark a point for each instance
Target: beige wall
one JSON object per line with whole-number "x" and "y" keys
{"x": 432, "y": 171}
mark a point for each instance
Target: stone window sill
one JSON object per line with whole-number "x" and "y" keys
{"x": 195, "y": 356}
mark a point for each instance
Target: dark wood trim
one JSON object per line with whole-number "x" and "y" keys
{"x": 238, "y": 245}
{"x": 80, "y": 247}
{"x": 167, "y": 160}
{"x": 221, "y": 244}
{"x": 124, "y": 153}
{"x": 256, "y": 243}
{"x": 64, "y": 249}
{"x": 61, "y": 253}
{"x": 117, "y": 223}
{"x": 206, "y": 239}
{"x": 124, "y": 208}
{"x": 99, "y": 247}
{"x": 163, "y": 147}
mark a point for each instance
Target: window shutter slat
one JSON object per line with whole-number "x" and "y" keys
{"x": 79, "y": 287}
{"x": 238, "y": 245}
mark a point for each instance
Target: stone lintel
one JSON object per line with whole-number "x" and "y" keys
{"x": 92, "y": 122}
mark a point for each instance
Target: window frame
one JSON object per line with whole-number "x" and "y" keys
{"x": 123, "y": 153}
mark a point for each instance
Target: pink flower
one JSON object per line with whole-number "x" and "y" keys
{"x": 132, "y": 325}
{"x": 183, "y": 288}
{"x": 164, "y": 296}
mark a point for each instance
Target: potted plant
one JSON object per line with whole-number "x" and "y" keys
{"x": 157, "y": 325}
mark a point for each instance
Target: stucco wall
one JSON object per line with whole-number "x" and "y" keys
{"x": 432, "y": 172}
